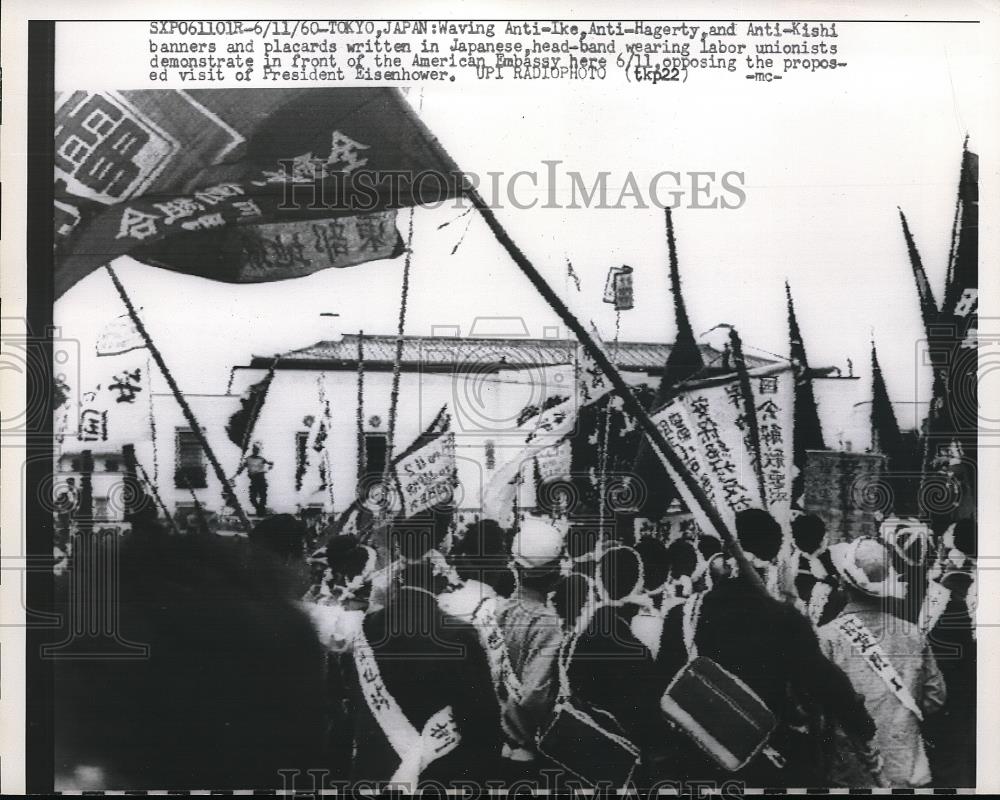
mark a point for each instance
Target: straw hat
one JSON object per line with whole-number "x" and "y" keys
{"x": 865, "y": 565}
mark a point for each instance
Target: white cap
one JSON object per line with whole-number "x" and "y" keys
{"x": 538, "y": 543}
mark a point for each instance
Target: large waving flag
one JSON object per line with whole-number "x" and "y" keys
{"x": 259, "y": 184}
{"x": 952, "y": 334}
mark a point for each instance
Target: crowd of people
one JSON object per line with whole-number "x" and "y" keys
{"x": 548, "y": 653}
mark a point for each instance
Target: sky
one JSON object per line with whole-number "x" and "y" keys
{"x": 826, "y": 159}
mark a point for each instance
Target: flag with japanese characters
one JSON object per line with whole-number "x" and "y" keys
{"x": 706, "y": 426}
{"x": 540, "y": 435}
{"x": 427, "y": 477}
{"x": 262, "y": 184}
{"x": 116, "y": 409}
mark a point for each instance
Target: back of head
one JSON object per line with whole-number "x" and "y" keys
{"x": 229, "y": 693}
{"x": 655, "y": 565}
{"x": 572, "y": 595}
{"x": 759, "y": 533}
{"x": 808, "y": 531}
{"x": 965, "y": 537}
{"x": 683, "y": 558}
{"x": 482, "y": 555}
{"x": 620, "y": 572}
{"x": 420, "y": 533}
{"x": 283, "y": 535}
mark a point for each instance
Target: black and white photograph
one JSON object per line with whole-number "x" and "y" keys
{"x": 487, "y": 406}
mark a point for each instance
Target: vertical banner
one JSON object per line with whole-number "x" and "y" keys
{"x": 705, "y": 424}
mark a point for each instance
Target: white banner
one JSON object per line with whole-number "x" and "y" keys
{"x": 707, "y": 428}
{"x": 427, "y": 477}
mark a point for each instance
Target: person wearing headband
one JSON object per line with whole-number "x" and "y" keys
{"x": 531, "y": 631}
{"x": 887, "y": 659}
{"x": 816, "y": 581}
{"x": 610, "y": 668}
{"x": 772, "y": 648}
{"x": 337, "y": 605}
{"x": 433, "y": 668}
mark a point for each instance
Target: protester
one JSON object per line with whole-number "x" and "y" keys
{"x": 815, "y": 578}
{"x": 337, "y": 607}
{"x": 422, "y": 689}
{"x": 480, "y": 559}
{"x": 610, "y": 668}
{"x": 532, "y": 635}
{"x": 887, "y": 659}
{"x": 772, "y": 648}
{"x": 647, "y": 624}
{"x": 257, "y": 468}
{"x": 909, "y": 546}
{"x": 225, "y": 695}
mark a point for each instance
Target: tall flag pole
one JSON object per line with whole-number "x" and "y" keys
{"x": 360, "y": 417}
{"x": 683, "y": 361}
{"x": 749, "y": 415}
{"x": 227, "y": 488}
{"x": 808, "y": 433}
{"x": 629, "y": 399}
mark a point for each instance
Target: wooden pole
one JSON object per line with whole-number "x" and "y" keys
{"x": 227, "y": 489}
{"x": 617, "y": 381}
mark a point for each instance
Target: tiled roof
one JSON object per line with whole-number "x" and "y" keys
{"x": 477, "y": 353}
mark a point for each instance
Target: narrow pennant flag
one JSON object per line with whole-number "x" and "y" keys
{"x": 135, "y": 169}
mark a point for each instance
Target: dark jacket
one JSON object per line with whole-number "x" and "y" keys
{"x": 611, "y": 669}
{"x": 427, "y": 661}
{"x": 772, "y": 648}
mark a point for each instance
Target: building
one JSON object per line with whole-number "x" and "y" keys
{"x": 486, "y": 383}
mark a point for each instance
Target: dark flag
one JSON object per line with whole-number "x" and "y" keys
{"x": 960, "y": 311}
{"x": 684, "y": 359}
{"x": 952, "y": 334}
{"x": 808, "y": 433}
{"x": 683, "y": 362}
{"x": 164, "y": 174}
{"x": 928, "y": 305}
{"x": 240, "y": 427}
{"x": 886, "y": 437}
{"x": 954, "y": 415}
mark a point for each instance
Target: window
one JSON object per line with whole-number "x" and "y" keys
{"x": 111, "y": 465}
{"x": 376, "y": 445}
{"x": 191, "y": 464}
{"x": 101, "y": 508}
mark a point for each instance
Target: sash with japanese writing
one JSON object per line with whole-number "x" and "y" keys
{"x": 935, "y": 602}
{"x": 854, "y": 631}
{"x": 505, "y": 681}
{"x": 415, "y": 749}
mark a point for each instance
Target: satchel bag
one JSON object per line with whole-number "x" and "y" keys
{"x": 713, "y": 708}
{"x": 585, "y": 740}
